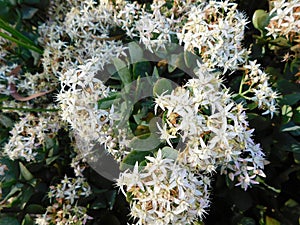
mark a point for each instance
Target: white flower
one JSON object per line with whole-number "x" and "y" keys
{"x": 284, "y": 19}
{"x": 165, "y": 134}
{"x": 170, "y": 192}
{"x": 216, "y": 30}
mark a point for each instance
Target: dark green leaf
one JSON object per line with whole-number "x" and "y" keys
{"x": 98, "y": 205}
{"x": 14, "y": 190}
{"x": 13, "y": 173}
{"x": 286, "y": 87}
{"x": 290, "y": 99}
{"x": 35, "y": 208}
{"x": 247, "y": 221}
{"x": 25, "y": 196}
{"x": 282, "y": 42}
{"x": 287, "y": 113}
{"x": 28, "y": 12}
{"x": 132, "y": 158}
{"x": 296, "y": 116}
{"x": 290, "y": 127}
{"x": 110, "y": 219}
{"x": 27, "y": 220}
{"x": 6, "y": 220}
{"x": 32, "y": 2}
{"x": 111, "y": 198}
{"x": 51, "y": 159}
{"x": 295, "y": 64}
{"x": 141, "y": 69}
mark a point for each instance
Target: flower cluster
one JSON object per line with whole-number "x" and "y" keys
{"x": 213, "y": 128}
{"x": 6, "y": 78}
{"x": 164, "y": 192}
{"x": 258, "y": 84}
{"x": 285, "y": 19}
{"x": 29, "y": 134}
{"x": 65, "y": 209}
{"x": 87, "y": 25}
{"x": 215, "y": 30}
{"x": 154, "y": 29}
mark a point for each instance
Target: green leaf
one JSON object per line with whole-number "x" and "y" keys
{"x": 290, "y": 127}
{"x": 291, "y": 203}
{"x": 176, "y": 61}
{"x": 133, "y": 157}
{"x": 98, "y": 205}
{"x": 35, "y": 208}
{"x": 190, "y": 59}
{"x": 260, "y": 20}
{"x": 6, "y": 121}
{"x": 107, "y": 102}
{"x": 170, "y": 153}
{"x": 282, "y": 42}
{"x": 288, "y": 143}
{"x": 122, "y": 70}
{"x": 13, "y": 173}
{"x": 32, "y": 2}
{"x": 290, "y": 99}
{"x": 145, "y": 142}
{"x": 295, "y": 64}
{"x": 161, "y": 86}
{"x": 286, "y": 87}
{"x": 25, "y": 196}
{"x": 247, "y": 221}
{"x": 296, "y": 116}
{"x": 15, "y": 189}
{"x": 155, "y": 73}
{"x": 27, "y": 220}
{"x": 297, "y": 158}
{"x": 135, "y": 51}
{"x": 51, "y": 159}
{"x": 111, "y": 198}
{"x": 25, "y": 173}
{"x": 28, "y": 12}
{"x": 271, "y": 221}
{"x": 6, "y": 220}
{"x": 287, "y": 113}
{"x": 259, "y": 122}
{"x": 141, "y": 69}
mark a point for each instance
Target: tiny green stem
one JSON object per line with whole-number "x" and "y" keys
{"x": 241, "y": 85}
{"x": 244, "y": 93}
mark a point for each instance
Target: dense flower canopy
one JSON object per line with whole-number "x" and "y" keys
{"x": 201, "y": 127}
